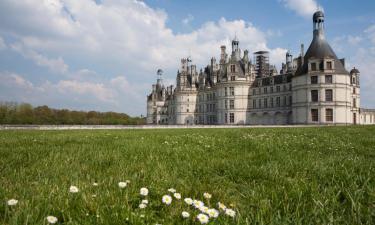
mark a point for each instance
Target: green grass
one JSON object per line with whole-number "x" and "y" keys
{"x": 267, "y": 175}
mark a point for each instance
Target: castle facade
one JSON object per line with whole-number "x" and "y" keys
{"x": 313, "y": 88}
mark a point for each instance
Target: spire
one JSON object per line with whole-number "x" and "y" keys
{"x": 318, "y": 22}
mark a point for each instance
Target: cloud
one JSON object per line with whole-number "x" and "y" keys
{"x": 188, "y": 19}
{"x": 112, "y": 37}
{"x": 2, "y": 44}
{"x": 56, "y": 65}
{"x": 304, "y": 8}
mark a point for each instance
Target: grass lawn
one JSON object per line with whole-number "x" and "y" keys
{"x": 267, "y": 175}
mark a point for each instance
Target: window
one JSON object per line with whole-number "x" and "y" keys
{"x": 265, "y": 103}
{"x": 271, "y": 102}
{"x": 277, "y": 88}
{"x": 277, "y": 101}
{"x": 226, "y": 104}
{"x": 231, "y": 117}
{"x": 284, "y": 101}
{"x": 225, "y": 91}
{"x": 290, "y": 100}
{"x": 187, "y": 110}
{"x": 314, "y": 115}
{"x": 271, "y": 89}
{"x": 232, "y": 68}
{"x": 329, "y": 95}
{"x": 231, "y": 104}
{"x": 314, "y": 79}
{"x": 284, "y": 88}
{"x": 254, "y": 91}
{"x": 328, "y": 79}
{"x": 231, "y": 89}
{"x": 354, "y": 90}
{"x": 354, "y": 103}
{"x": 314, "y": 95}
{"x": 232, "y": 78}
{"x": 329, "y": 65}
{"x": 213, "y": 96}
{"x": 329, "y": 115}
{"x": 265, "y": 90}
{"x": 313, "y": 66}
{"x": 225, "y": 118}
{"x": 260, "y": 103}
{"x": 254, "y": 104}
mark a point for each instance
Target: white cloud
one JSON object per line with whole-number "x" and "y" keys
{"x": 117, "y": 36}
{"x": 2, "y": 44}
{"x": 305, "y": 8}
{"x": 56, "y": 65}
{"x": 188, "y": 19}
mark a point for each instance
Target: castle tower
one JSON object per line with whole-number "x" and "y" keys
{"x": 321, "y": 84}
{"x": 235, "y": 49}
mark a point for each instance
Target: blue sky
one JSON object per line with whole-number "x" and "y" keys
{"x": 103, "y": 55}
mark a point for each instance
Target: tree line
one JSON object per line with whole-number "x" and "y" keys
{"x": 24, "y": 113}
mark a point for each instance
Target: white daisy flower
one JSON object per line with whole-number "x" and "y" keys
{"x": 203, "y": 209}
{"x": 203, "y": 218}
{"x": 144, "y": 191}
{"x": 122, "y": 184}
{"x": 73, "y": 189}
{"x": 95, "y": 184}
{"x": 221, "y": 206}
{"x": 167, "y": 199}
{"x": 177, "y": 195}
{"x": 213, "y": 213}
{"x": 142, "y": 215}
{"x": 94, "y": 196}
{"x": 197, "y": 204}
{"x": 142, "y": 206}
{"x": 12, "y": 202}
{"x": 207, "y": 195}
{"x": 145, "y": 201}
{"x": 172, "y": 190}
{"x": 230, "y": 212}
{"x": 188, "y": 201}
{"x": 51, "y": 219}
{"x": 185, "y": 214}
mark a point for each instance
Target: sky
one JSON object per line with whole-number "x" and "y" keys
{"x": 103, "y": 54}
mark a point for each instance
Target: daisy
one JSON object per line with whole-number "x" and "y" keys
{"x": 177, "y": 195}
{"x": 207, "y": 195}
{"x": 95, "y": 184}
{"x": 203, "y": 209}
{"x": 230, "y": 212}
{"x": 203, "y": 219}
{"x": 167, "y": 199}
{"x": 213, "y": 213}
{"x": 142, "y": 206}
{"x": 145, "y": 201}
{"x": 122, "y": 184}
{"x": 51, "y": 219}
{"x": 12, "y": 202}
{"x": 221, "y": 206}
{"x": 185, "y": 214}
{"x": 144, "y": 191}
{"x": 73, "y": 189}
{"x": 197, "y": 204}
{"x": 188, "y": 201}
{"x": 172, "y": 190}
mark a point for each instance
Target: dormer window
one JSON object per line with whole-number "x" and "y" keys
{"x": 232, "y": 68}
{"x": 329, "y": 65}
{"x": 313, "y": 66}
{"x": 232, "y": 78}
